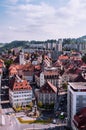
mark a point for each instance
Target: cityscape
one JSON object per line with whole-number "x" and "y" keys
{"x": 42, "y": 65}
{"x": 43, "y": 86}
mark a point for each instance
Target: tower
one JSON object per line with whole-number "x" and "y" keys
{"x": 21, "y": 58}
{"x": 59, "y": 45}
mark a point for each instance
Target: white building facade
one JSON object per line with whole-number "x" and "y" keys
{"x": 20, "y": 93}
{"x": 76, "y": 100}
{"x": 21, "y": 58}
{"x": 20, "y": 98}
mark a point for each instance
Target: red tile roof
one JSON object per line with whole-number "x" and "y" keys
{"x": 23, "y": 84}
{"x": 16, "y": 83}
{"x": 63, "y": 57}
{"x": 48, "y": 88}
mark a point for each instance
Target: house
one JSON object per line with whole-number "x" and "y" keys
{"x": 47, "y": 93}
{"x": 26, "y": 71}
{"x": 49, "y": 74}
{"x": 20, "y": 92}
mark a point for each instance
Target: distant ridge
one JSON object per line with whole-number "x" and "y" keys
{"x": 25, "y": 44}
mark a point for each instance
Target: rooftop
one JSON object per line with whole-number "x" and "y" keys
{"x": 16, "y": 83}
{"x": 48, "y": 88}
{"x": 78, "y": 86}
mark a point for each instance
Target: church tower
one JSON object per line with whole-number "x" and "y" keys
{"x": 21, "y": 58}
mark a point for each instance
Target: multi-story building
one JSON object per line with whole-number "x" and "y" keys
{"x": 47, "y": 93}
{"x": 21, "y": 58}
{"x": 49, "y": 74}
{"x": 59, "y": 45}
{"x": 20, "y": 92}
{"x": 76, "y": 100}
{"x": 26, "y": 71}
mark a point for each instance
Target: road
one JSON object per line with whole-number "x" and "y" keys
{"x": 13, "y": 124}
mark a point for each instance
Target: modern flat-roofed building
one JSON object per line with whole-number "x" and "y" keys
{"x": 80, "y": 119}
{"x": 76, "y": 100}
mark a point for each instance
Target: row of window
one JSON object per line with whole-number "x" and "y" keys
{"x": 23, "y": 100}
{"x": 16, "y": 96}
{"x": 19, "y": 92}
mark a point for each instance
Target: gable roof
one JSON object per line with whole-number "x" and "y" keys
{"x": 48, "y": 88}
{"x": 19, "y": 84}
{"x": 79, "y": 78}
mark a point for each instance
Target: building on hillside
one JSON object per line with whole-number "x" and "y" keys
{"x": 47, "y": 93}
{"x": 60, "y": 45}
{"x": 76, "y": 100}
{"x": 20, "y": 92}
{"x": 21, "y": 58}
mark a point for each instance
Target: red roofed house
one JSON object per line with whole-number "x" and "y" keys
{"x": 27, "y": 71}
{"x": 20, "y": 92}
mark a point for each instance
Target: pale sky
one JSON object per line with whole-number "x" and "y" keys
{"x": 41, "y": 19}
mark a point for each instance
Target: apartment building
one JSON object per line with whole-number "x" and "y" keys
{"x": 47, "y": 93}
{"x": 49, "y": 74}
{"x": 20, "y": 92}
{"x": 76, "y": 100}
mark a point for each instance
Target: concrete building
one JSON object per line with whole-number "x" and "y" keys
{"x": 20, "y": 92}
{"x": 50, "y": 74}
{"x": 21, "y": 58}
{"x": 76, "y": 100}
{"x": 59, "y": 45}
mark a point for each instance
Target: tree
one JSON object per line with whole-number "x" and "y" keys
{"x": 40, "y": 104}
{"x": 8, "y": 62}
{"x": 64, "y": 85}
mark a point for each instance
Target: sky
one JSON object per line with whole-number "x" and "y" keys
{"x": 41, "y": 19}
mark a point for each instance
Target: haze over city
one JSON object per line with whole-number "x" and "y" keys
{"x": 41, "y": 19}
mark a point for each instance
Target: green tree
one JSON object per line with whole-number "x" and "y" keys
{"x": 64, "y": 85}
{"x": 40, "y": 104}
{"x": 8, "y": 62}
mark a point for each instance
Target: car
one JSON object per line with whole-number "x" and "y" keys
{"x": 59, "y": 108}
{"x": 62, "y": 116}
{"x": 54, "y": 121}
